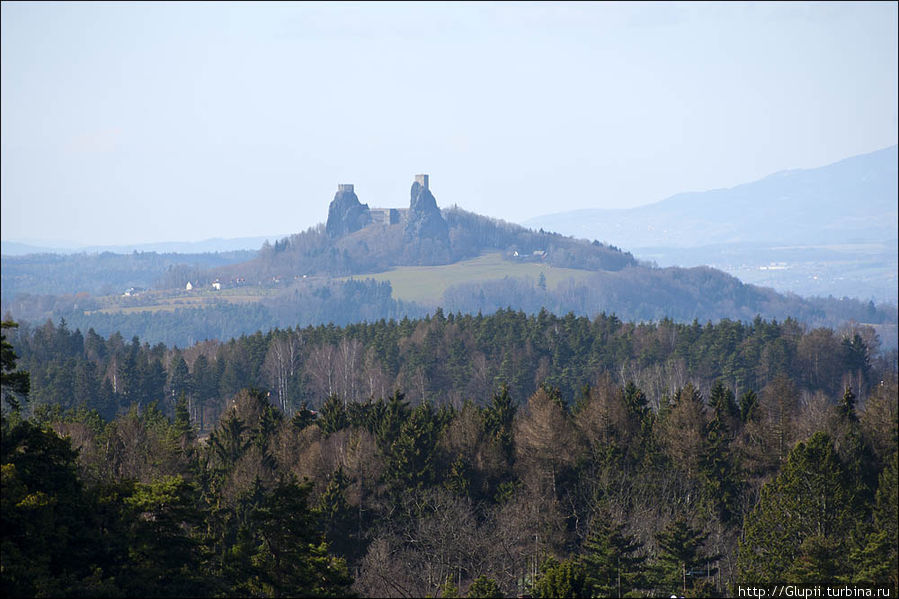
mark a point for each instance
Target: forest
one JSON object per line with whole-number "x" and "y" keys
{"x": 450, "y": 455}
{"x": 682, "y": 294}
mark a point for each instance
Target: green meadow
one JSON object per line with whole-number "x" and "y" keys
{"x": 426, "y": 284}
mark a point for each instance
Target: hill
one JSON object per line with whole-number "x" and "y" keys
{"x": 853, "y": 200}
{"x": 354, "y": 242}
{"x": 824, "y": 231}
{"x": 367, "y": 264}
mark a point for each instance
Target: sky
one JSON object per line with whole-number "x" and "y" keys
{"x": 135, "y": 123}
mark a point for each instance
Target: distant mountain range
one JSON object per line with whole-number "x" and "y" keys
{"x": 853, "y": 200}
{"x": 16, "y": 248}
{"x": 828, "y": 231}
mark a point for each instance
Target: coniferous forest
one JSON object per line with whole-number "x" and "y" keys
{"x": 453, "y": 455}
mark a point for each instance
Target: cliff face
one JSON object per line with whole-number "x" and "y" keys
{"x": 346, "y": 214}
{"x": 424, "y": 220}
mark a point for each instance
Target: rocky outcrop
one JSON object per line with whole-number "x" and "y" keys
{"x": 346, "y": 214}
{"x": 424, "y": 220}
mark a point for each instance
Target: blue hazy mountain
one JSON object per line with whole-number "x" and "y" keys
{"x": 854, "y": 200}
{"x": 828, "y": 231}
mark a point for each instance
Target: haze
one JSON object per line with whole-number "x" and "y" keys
{"x": 130, "y": 123}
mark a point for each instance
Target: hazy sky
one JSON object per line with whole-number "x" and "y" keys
{"x": 127, "y": 123}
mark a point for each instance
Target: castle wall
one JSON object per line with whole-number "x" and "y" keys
{"x": 387, "y": 216}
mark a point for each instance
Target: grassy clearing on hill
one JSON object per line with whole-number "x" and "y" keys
{"x": 169, "y": 301}
{"x": 426, "y": 284}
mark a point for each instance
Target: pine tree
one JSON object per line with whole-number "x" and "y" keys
{"x": 847, "y": 406}
{"x": 47, "y": 540}
{"x": 820, "y": 560}
{"x": 390, "y": 420}
{"x": 681, "y": 561}
{"x": 292, "y": 558}
{"x": 410, "y": 460}
{"x": 635, "y": 400}
{"x": 720, "y": 486}
{"x": 449, "y": 590}
{"x": 458, "y": 479}
{"x": 179, "y": 377}
{"x": 164, "y": 556}
{"x": 333, "y": 415}
{"x": 303, "y": 417}
{"x": 183, "y": 431}
{"x": 14, "y": 384}
{"x": 749, "y": 403}
{"x": 722, "y": 401}
{"x": 337, "y": 515}
{"x": 563, "y": 580}
{"x": 812, "y": 496}
{"x": 498, "y": 418}
{"x": 875, "y": 558}
{"x": 228, "y": 442}
{"x": 483, "y": 587}
{"x": 609, "y": 558}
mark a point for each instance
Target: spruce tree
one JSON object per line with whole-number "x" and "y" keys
{"x": 875, "y": 558}
{"x": 681, "y": 562}
{"x": 14, "y": 384}
{"x": 811, "y": 497}
{"x": 483, "y": 587}
{"x": 292, "y": 557}
{"x": 410, "y": 460}
{"x": 609, "y": 558}
{"x": 333, "y": 415}
{"x": 749, "y": 403}
{"x": 563, "y": 580}
{"x": 498, "y": 418}
{"x": 847, "y": 406}
{"x": 338, "y": 517}
{"x": 720, "y": 485}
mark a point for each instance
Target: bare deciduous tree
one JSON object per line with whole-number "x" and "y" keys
{"x": 349, "y": 369}
{"x": 321, "y": 369}
{"x": 282, "y": 361}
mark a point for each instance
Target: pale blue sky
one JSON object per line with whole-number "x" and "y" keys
{"x": 127, "y": 123}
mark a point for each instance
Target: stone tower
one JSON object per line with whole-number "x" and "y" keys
{"x": 422, "y": 180}
{"x": 346, "y": 214}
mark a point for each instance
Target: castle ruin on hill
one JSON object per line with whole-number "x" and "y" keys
{"x": 347, "y": 214}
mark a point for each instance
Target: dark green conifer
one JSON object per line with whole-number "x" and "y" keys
{"x": 610, "y": 558}
{"x": 812, "y": 496}
{"x": 682, "y": 564}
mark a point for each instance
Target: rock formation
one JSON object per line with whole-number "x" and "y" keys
{"x": 346, "y": 214}
{"x": 424, "y": 220}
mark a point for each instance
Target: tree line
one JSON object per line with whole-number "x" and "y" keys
{"x": 444, "y": 359}
{"x": 451, "y": 455}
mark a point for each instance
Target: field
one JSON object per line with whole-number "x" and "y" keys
{"x": 169, "y": 300}
{"x": 426, "y": 284}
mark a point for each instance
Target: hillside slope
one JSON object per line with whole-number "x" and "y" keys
{"x": 854, "y": 200}
{"x": 353, "y": 243}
